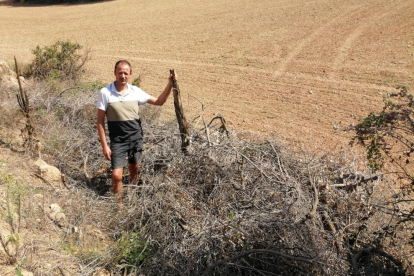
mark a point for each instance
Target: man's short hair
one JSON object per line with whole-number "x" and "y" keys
{"x": 123, "y": 61}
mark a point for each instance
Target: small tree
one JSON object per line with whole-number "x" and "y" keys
{"x": 61, "y": 60}
{"x": 389, "y": 136}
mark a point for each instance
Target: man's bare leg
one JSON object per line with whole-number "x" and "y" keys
{"x": 117, "y": 185}
{"x": 133, "y": 173}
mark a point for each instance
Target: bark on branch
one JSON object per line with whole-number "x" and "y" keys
{"x": 182, "y": 122}
{"x": 223, "y": 126}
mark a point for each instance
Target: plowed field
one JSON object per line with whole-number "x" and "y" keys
{"x": 300, "y": 69}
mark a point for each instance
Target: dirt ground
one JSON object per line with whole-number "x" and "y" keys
{"x": 296, "y": 69}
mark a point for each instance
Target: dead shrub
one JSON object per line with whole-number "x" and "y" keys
{"x": 241, "y": 208}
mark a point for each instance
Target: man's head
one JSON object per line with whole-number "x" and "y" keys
{"x": 122, "y": 71}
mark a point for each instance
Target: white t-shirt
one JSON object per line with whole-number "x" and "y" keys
{"x": 109, "y": 94}
{"x": 122, "y": 111}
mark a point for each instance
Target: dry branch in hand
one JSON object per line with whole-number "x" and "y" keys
{"x": 179, "y": 112}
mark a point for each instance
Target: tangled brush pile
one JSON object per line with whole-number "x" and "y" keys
{"x": 228, "y": 207}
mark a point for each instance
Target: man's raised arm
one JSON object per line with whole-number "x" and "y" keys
{"x": 164, "y": 95}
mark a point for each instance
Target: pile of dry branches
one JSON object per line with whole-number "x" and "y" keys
{"x": 228, "y": 206}
{"x": 246, "y": 208}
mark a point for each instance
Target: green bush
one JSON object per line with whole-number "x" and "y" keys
{"x": 389, "y": 136}
{"x": 134, "y": 251}
{"x": 60, "y": 61}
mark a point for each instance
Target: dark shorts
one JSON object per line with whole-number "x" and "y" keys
{"x": 123, "y": 150}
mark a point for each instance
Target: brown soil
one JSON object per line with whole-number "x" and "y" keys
{"x": 298, "y": 69}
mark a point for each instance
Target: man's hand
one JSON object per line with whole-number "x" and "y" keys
{"x": 164, "y": 95}
{"x": 107, "y": 152}
{"x": 171, "y": 78}
{"x": 101, "y": 131}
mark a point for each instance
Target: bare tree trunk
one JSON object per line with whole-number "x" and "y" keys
{"x": 182, "y": 122}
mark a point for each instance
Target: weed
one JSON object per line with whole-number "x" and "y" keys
{"x": 374, "y": 156}
{"x": 15, "y": 193}
{"x": 236, "y": 234}
{"x": 134, "y": 251}
{"x": 372, "y": 120}
{"x": 390, "y": 133}
{"x": 137, "y": 81}
{"x": 19, "y": 267}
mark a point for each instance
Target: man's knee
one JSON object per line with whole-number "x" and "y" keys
{"x": 117, "y": 175}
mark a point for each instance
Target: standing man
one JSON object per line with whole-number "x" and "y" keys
{"x": 119, "y": 103}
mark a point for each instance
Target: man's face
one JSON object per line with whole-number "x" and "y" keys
{"x": 122, "y": 73}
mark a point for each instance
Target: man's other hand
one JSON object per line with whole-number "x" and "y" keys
{"x": 107, "y": 153}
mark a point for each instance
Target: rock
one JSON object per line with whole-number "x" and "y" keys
{"x": 310, "y": 92}
{"x": 40, "y": 162}
{"x": 5, "y": 69}
{"x": 49, "y": 173}
{"x": 54, "y": 207}
{"x": 56, "y": 215}
{"x": 26, "y": 273}
{"x": 8, "y": 75}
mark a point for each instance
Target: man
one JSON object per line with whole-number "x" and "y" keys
{"x": 119, "y": 103}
